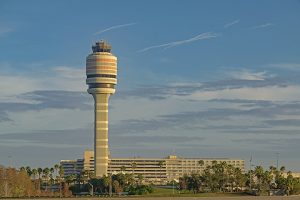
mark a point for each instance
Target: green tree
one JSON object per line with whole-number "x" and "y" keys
{"x": 259, "y": 173}
{"x": 34, "y": 173}
{"x": 123, "y": 169}
{"x": 240, "y": 178}
{"x": 267, "y": 180}
{"x": 161, "y": 164}
{"x": 140, "y": 179}
{"x": 40, "y": 171}
{"x": 195, "y": 183}
{"x": 201, "y": 163}
{"x": 183, "y": 182}
{"x": 71, "y": 179}
{"x": 46, "y": 172}
{"x": 28, "y": 170}
{"x": 22, "y": 168}
{"x": 106, "y": 181}
{"x": 56, "y": 168}
{"x": 133, "y": 166}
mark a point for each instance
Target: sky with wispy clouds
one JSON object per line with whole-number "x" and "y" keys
{"x": 196, "y": 78}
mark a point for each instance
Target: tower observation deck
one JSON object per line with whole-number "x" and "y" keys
{"x": 101, "y": 72}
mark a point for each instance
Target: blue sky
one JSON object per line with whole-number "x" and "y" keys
{"x": 196, "y": 78}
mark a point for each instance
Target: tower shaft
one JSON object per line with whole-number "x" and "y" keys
{"x": 101, "y": 134}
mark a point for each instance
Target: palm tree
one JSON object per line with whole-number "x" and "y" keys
{"x": 140, "y": 178}
{"x": 282, "y": 169}
{"x": 61, "y": 174}
{"x": 267, "y": 179}
{"x": 123, "y": 168}
{"x": 201, "y": 163}
{"x": 230, "y": 176}
{"x": 56, "y": 167}
{"x": 46, "y": 172}
{"x": 133, "y": 166}
{"x": 161, "y": 164}
{"x": 51, "y": 170}
{"x": 240, "y": 178}
{"x": 107, "y": 181}
{"x": 259, "y": 172}
{"x": 34, "y": 173}
{"x": 40, "y": 171}
{"x": 70, "y": 178}
{"x": 28, "y": 170}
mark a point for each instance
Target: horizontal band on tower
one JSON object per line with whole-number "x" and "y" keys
{"x": 101, "y": 129}
{"x": 102, "y": 104}
{"x": 102, "y": 164}
{"x": 101, "y": 140}
{"x": 104, "y": 111}
{"x": 101, "y": 146}
{"x": 102, "y": 157}
{"x": 102, "y": 122}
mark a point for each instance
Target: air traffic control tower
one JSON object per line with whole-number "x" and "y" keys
{"x": 101, "y": 71}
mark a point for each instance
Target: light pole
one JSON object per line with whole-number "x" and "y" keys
{"x": 277, "y": 159}
{"x": 92, "y": 192}
{"x": 10, "y": 161}
{"x": 110, "y": 185}
{"x": 110, "y": 181}
{"x": 173, "y": 186}
{"x": 250, "y": 174}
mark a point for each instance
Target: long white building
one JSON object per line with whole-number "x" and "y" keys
{"x": 158, "y": 170}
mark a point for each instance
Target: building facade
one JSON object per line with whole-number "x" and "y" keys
{"x": 159, "y": 170}
{"x": 71, "y": 167}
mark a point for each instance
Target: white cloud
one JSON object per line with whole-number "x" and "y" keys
{"x": 27, "y": 143}
{"x": 47, "y": 119}
{"x": 270, "y": 93}
{"x": 248, "y": 75}
{"x": 202, "y": 36}
{"x": 13, "y": 85}
{"x": 68, "y": 72}
{"x": 64, "y": 78}
{"x": 5, "y": 30}
{"x": 114, "y": 27}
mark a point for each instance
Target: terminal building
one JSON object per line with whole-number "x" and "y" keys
{"x": 153, "y": 170}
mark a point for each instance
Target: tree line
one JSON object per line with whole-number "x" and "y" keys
{"x": 27, "y": 182}
{"x": 223, "y": 177}
{"x": 217, "y": 177}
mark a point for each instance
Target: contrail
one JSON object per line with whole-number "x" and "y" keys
{"x": 262, "y": 26}
{"x": 201, "y": 36}
{"x": 231, "y": 23}
{"x": 114, "y": 27}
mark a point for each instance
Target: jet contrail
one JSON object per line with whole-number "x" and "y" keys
{"x": 114, "y": 27}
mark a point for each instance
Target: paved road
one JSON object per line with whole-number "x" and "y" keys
{"x": 185, "y": 198}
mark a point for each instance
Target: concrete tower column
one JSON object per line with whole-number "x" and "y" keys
{"x": 101, "y": 134}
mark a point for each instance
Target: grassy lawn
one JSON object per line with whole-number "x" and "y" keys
{"x": 166, "y": 192}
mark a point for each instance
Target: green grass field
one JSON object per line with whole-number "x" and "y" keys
{"x": 166, "y": 192}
